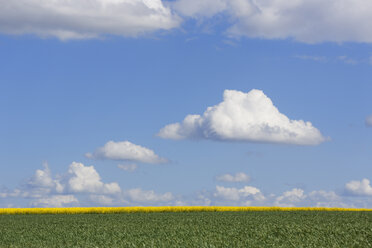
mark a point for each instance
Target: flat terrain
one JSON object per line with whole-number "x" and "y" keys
{"x": 196, "y": 229}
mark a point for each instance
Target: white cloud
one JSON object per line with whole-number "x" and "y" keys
{"x": 81, "y": 19}
{"x": 142, "y": 196}
{"x": 79, "y": 179}
{"x": 83, "y": 186}
{"x": 85, "y": 179}
{"x": 127, "y": 167}
{"x": 322, "y": 198}
{"x": 290, "y": 198}
{"x": 238, "y": 177}
{"x": 227, "y": 193}
{"x": 5, "y": 193}
{"x": 347, "y": 60}
{"x": 39, "y": 185}
{"x": 126, "y": 151}
{"x": 235, "y": 194}
{"x": 102, "y": 199}
{"x": 303, "y": 20}
{"x": 311, "y": 57}
{"x": 251, "y": 196}
{"x": 42, "y": 178}
{"x": 55, "y": 201}
{"x": 322, "y": 194}
{"x": 369, "y": 121}
{"x": 201, "y": 8}
{"x": 249, "y": 117}
{"x": 62, "y": 190}
{"x": 359, "y": 188}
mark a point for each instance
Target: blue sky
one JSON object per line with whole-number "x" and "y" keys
{"x": 68, "y": 88}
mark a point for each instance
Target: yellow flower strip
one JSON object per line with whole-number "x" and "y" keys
{"x": 104, "y": 210}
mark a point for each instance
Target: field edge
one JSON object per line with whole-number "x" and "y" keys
{"x": 108, "y": 210}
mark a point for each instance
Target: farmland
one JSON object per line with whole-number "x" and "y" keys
{"x": 189, "y": 229}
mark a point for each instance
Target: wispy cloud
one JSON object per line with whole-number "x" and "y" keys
{"x": 341, "y": 22}
{"x": 128, "y": 167}
{"x": 335, "y": 22}
{"x": 312, "y": 57}
{"x": 348, "y": 60}
{"x": 142, "y": 196}
{"x": 238, "y": 177}
{"x": 368, "y": 121}
{"x": 344, "y": 59}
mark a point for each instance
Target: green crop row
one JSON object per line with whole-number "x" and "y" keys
{"x": 193, "y": 229}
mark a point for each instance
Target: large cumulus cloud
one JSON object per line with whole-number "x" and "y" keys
{"x": 250, "y": 117}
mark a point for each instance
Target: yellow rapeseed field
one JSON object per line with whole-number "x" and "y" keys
{"x": 104, "y": 210}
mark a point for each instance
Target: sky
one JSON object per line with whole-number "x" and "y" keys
{"x": 185, "y": 102}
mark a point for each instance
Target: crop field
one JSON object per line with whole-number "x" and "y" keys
{"x": 189, "y": 229}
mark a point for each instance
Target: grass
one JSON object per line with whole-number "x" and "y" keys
{"x": 190, "y": 229}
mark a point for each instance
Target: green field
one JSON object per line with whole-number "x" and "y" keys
{"x": 196, "y": 229}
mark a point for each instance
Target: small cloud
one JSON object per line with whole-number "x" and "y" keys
{"x": 102, "y": 199}
{"x": 347, "y": 60}
{"x": 142, "y": 196}
{"x": 238, "y": 177}
{"x": 127, "y": 167}
{"x": 230, "y": 43}
{"x": 126, "y": 151}
{"x": 290, "y": 198}
{"x": 85, "y": 179}
{"x": 235, "y": 194}
{"x": 247, "y": 117}
{"x": 191, "y": 39}
{"x": 359, "y": 188}
{"x": 56, "y": 201}
{"x": 311, "y": 57}
{"x": 322, "y": 198}
{"x": 368, "y": 121}
{"x": 42, "y": 178}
